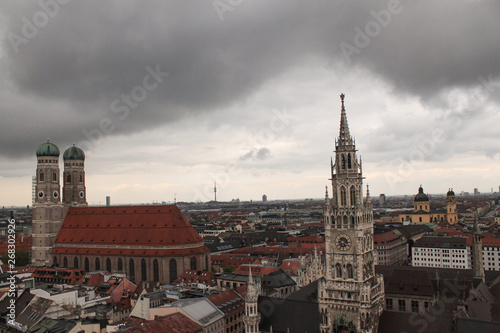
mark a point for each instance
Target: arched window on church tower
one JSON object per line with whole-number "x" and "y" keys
{"x": 81, "y": 178}
{"x": 351, "y": 224}
{"x": 68, "y": 178}
{"x": 343, "y": 162}
{"x": 352, "y": 195}
{"x": 350, "y": 271}
{"x": 343, "y": 196}
{"x": 345, "y": 223}
{"x": 338, "y": 271}
{"x": 54, "y": 177}
{"x": 349, "y": 164}
{"x": 41, "y": 176}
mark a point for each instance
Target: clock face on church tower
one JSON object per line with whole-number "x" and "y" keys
{"x": 343, "y": 242}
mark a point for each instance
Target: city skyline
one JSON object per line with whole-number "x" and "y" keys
{"x": 165, "y": 99}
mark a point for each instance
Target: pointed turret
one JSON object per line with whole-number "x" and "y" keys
{"x": 345, "y": 138}
{"x": 326, "y": 194}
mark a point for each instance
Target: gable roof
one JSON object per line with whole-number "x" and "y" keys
{"x": 164, "y": 228}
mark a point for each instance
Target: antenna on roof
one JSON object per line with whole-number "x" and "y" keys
{"x": 215, "y": 191}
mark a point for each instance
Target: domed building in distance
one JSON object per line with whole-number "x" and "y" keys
{"x": 422, "y": 212}
{"x": 153, "y": 243}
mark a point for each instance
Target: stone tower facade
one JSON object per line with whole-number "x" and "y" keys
{"x": 74, "y": 192}
{"x": 350, "y": 295}
{"x": 451, "y": 207}
{"x": 252, "y": 315}
{"x": 48, "y": 210}
{"x": 477, "y": 254}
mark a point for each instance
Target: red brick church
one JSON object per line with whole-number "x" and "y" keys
{"x": 152, "y": 243}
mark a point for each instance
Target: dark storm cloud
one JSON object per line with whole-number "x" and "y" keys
{"x": 66, "y": 78}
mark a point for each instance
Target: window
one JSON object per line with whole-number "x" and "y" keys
{"x": 402, "y": 305}
{"x": 54, "y": 177}
{"x": 55, "y": 261}
{"x": 349, "y": 164}
{"x": 173, "y": 270}
{"x": 97, "y": 264}
{"x": 414, "y": 306}
{"x": 156, "y": 271}
{"x": 68, "y": 178}
{"x": 144, "y": 275}
{"x": 65, "y": 262}
{"x": 338, "y": 270}
{"x": 343, "y": 197}
{"x": 131, "y": 270}
{"x": 120, "y": 265}
{"x": 427, "y": 306}
{"x": 350, "y": 273}
{"x": 193, "y": 263}
{"x": 75, "y": 262}
{"x": 87, "y": 265}
{"x": 353, "y": 195}
{"x": 81, "y": 178}
{"x": 108, "y": 265}
{"x": 41, "y": 176}
{"x": 343, "y": 162}
{"x": 388, "y": 303}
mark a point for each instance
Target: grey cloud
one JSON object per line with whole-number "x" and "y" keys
{"x": 69, "y": 74}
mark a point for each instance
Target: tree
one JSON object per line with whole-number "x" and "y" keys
{"x": 228, "y": 269}
{"x": 22, "y": 258}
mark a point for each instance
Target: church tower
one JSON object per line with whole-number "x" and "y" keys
{"x": 47, "y": 207}
{"x": 351, "y": 295}
{"x": 252, "y": 315}
{"x": 477, "y": 254}
{"x": 451, "y": 207}
{"x": 74, "y": 192}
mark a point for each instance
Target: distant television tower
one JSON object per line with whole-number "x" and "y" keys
{"x": 215, "y": 191}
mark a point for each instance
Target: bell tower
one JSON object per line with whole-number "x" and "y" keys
{"x": 351, "y": 295}
{"x": 451, "y": 207}
{"x": 47, "y": 208}
{"x": 74, "y": 191}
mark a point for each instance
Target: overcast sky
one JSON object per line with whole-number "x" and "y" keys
{"x": 167, "y": 96}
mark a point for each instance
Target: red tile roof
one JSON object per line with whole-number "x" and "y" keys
{"x": 256, "y": 270}
{"x": 385, "y": 238}
{"x": 228, "y": 302}
{"x": 290, "y": 266}
{"x": 193, "y": 276}
{"x": 173, "y": 323}
{"x": 164, "y": 227}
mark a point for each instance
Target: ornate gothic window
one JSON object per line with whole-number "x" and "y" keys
{"x": 343, "y": 161}
{"x": 193, "y": 263}
{"x": 156, "y": 271}
{"x": 343, "y": 196}
{"x": 108, "y": 265}
{"x": 349, "y": 164}
{"x": 351, "y": 224}
{"x": 353, "y": 195}
{"x": 144, "y": 275}
{"x": 345, "y": 225}
{"x": 338, "y": 270}
{"x": 350, "y": 272}
{"x": 97, "y": 264}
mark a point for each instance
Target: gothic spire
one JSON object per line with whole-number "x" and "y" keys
{"x": 344, "y": 135}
